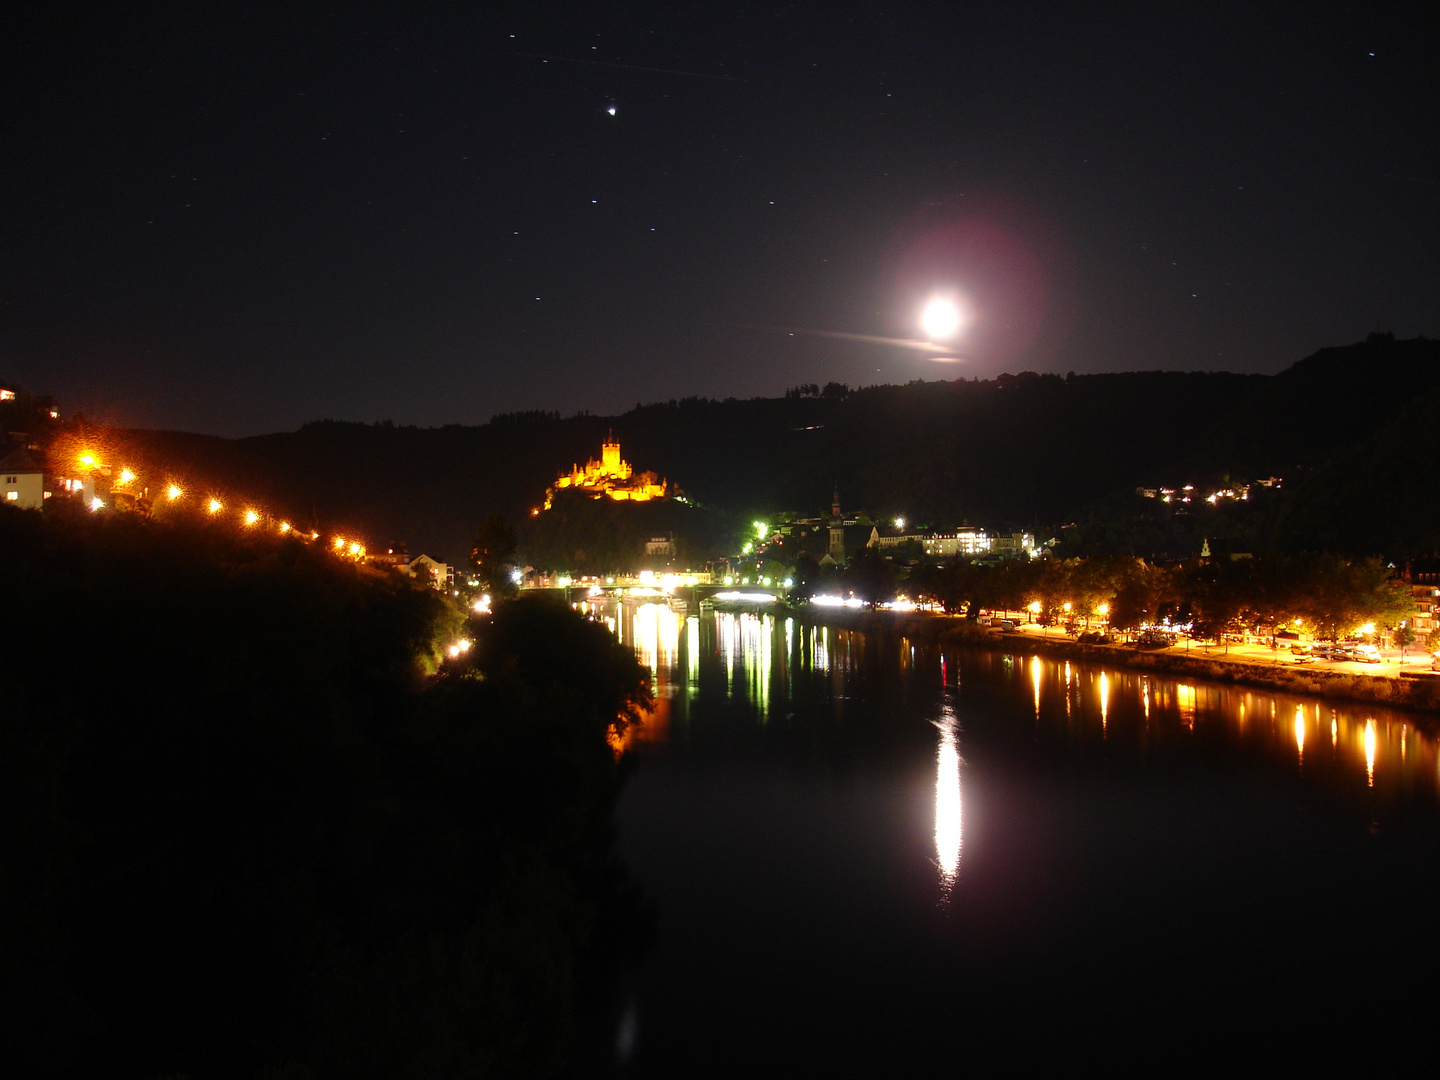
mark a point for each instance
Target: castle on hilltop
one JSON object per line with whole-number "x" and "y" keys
{"x": 612, "y": 477}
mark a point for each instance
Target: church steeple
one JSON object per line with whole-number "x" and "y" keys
{"x": 835, "y": 504}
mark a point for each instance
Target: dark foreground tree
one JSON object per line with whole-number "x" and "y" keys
{"x": 492, "y": 555}
{"x": 243, "y": 833}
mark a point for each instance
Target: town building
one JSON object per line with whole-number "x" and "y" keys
{"x": 967, "y": 541}
{"x": 1424, "y": 577}
{"x": 394, "y": 556}
{"x": 23, "y": 480}
{"x": 439, "y": 575}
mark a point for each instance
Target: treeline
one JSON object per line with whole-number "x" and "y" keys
{"x": 601, "y": 536}
{"x": 254, "y": 825}
{"x": 1349, "y": 429}
{"x": 1326, "y": 595}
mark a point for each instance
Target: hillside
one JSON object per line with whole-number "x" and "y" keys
{"x": 1029, "y": 450}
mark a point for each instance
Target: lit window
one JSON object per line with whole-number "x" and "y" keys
{"x": 12, "y": 496}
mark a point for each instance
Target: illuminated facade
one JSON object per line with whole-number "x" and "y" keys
{"x": 612, "y": 477}
{"x": 23, "y": 481}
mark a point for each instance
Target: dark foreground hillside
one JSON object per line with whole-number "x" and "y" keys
{"x": 1347, "y": 429}
{"x": 243, "y": 834}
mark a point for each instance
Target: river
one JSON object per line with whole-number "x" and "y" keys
{"x": 872, "y": 858}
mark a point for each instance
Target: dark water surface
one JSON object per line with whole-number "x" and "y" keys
{"x": 877, "y": 859}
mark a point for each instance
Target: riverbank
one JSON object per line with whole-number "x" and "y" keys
{"x": 1420, "y": 694}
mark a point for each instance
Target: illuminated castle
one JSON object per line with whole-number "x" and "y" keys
{"x": 612, "y": 476}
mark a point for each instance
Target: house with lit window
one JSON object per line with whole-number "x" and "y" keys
{"x": 438, "y": 575}
{"x": 22, "y": 480}
{"x": 967, "y": 541}
{"x": 1424, "y": 579}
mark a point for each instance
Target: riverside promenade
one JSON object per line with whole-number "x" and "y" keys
{"x": 1410, "y": 685}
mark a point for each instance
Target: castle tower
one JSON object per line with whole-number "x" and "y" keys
{"x": 610, "y": 454}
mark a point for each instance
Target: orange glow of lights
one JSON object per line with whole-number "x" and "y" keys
{"x": 355, "y": 549}
{"x": 339, "y": 543}
{"x": 173, "y": 492}
{"x": 87, "y": 461}
{"x": 1300, "y": 731}
{"x": 251, "y": 517}
{"x": 611, "y": 476}
{"x": 215, "y": 506}
{"x": 126, "y": 476}
{"x": 284, "y": 526}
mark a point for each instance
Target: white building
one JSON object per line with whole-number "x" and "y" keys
{"x": 965, "y": 541}
{"x": 23, "y": 481}
{"x": 970, "y": 542}
{"x": 439, "y": 575}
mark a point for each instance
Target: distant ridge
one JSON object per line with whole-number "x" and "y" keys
{"x": 1029, "y": 450}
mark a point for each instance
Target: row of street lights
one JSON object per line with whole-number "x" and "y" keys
{"x": 250, "y": 517}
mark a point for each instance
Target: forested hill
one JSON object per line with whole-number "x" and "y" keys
{"x": 1027, "y": 449}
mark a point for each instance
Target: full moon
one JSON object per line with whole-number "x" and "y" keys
{"x": 940, "y": 319}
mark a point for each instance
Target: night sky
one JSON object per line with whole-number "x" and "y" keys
{"x": 235, "y": 218}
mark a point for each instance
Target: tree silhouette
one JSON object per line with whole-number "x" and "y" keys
{"x": 492, "y": 554}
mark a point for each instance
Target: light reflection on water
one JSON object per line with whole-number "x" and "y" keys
{"x": 808, "y": 793}
{"x": 765, "y": 662}
{"x": 949, "y": 831}
{"x": 1372, "y": 745}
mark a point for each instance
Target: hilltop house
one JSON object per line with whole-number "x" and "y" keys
{"x": 439, "y": 575}
{"x": 23, "y": 480}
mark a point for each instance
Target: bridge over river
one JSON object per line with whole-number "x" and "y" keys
{"x": 690, "y": 587}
